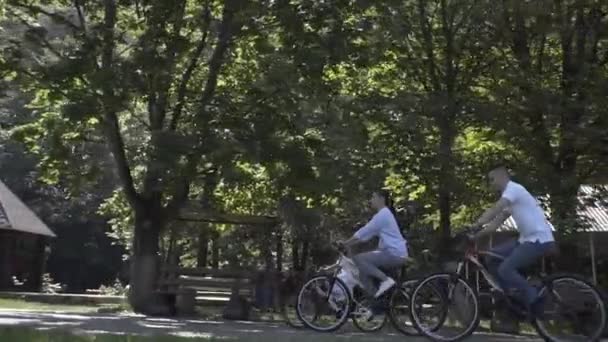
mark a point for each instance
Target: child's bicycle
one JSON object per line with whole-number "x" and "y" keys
{"x": 327, "y": 301}
{"x": 565, "y": 296}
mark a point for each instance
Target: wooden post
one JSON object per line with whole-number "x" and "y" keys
{"x": 295, "y": 255}
{"x": 592, "y": 249}
{"x": 203, "y": 246}
{"x": 279, "y": 249}
{"x": 215, "y": 253}
{"x": 304, "y": 256}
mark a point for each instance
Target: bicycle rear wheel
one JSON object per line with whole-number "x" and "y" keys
{"x": 571, "y": 303}
{"x": 324, "y": 304}
{"x": 450, "y": 302}
{"x": 399, "y": 308}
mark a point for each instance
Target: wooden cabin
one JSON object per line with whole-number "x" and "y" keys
{"x": 23, "y": 244}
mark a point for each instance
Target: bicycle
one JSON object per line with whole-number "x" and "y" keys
{"x": 333, "y": 297}
{"x": 456, "y": 282}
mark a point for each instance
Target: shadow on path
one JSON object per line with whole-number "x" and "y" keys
{"x": 244, "y": 331}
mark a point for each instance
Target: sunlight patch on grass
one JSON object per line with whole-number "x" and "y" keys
{"x": 16, "y": 304}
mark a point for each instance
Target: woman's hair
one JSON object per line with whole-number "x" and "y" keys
{"x": 388, "y": 200}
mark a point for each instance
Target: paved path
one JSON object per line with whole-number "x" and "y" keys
{"x": 247, "y": 331}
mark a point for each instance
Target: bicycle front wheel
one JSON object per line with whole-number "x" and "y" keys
{"x": 573, "y": 310}
{"x": 444, "y": 307}
{"x": 324, "y": 304}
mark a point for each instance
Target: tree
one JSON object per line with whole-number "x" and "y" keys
{"x": 554, "y": 72}
{"x": 130, "y": 74}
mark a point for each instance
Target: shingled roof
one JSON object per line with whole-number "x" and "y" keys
{"x": 15, "y": 215}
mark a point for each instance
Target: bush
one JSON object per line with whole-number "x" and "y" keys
{"x": 116, "y": 289}
{"x": 49, "y": 285}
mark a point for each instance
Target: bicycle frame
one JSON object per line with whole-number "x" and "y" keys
{"x": 472, "y": 255}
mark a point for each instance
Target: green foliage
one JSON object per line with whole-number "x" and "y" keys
{"x": 121, "y": 221}
{"x": 302, "y": 109}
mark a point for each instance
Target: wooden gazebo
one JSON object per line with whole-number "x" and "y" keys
{"x": 193, "y": 212}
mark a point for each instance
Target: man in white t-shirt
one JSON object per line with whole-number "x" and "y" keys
{"x": 535, "y": 235}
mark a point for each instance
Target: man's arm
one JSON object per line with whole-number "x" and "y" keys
{"x": 495, "y": 224}
{"x": 491, "y": 213}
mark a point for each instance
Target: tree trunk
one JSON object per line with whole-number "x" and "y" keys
{"x": 268, "y": 260}
{"x": 564, "y": 198}
{"x": 279, "y": 237}
{"x": 295, "y": 255}
{"x": 446, "y": 171}
{"x": 203, "y": 248}
{"x": 144, "y": 264}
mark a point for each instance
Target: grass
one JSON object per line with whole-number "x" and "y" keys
{"x": 19, "y": 304}
{"x": 213, "y": 313}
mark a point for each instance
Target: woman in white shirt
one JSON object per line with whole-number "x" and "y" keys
{"x": 392, "y": 246}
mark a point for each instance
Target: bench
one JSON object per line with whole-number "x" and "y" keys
{"x": 193, "y": 287}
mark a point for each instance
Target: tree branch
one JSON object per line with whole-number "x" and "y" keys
{"x": 160, "y": 81}
{"x": 182, "y": 186}
{"x": 183, "y": 85}
{"x": 81, "y": 18}
{"x": 450, "y": 70}
{"x": 428, "y": 45}
{"x": 111, "y": 125}
{"x": 465, "y": 16}
{"x": 171, "y": 60}
{"x": 228, "y": 28}
{"x": 521, "y": 51}
{"x": 415, "y": 71}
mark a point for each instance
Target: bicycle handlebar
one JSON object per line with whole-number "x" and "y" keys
{"x": 468, "y": 231}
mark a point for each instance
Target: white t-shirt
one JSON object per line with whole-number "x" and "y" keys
{"x": 384, "y": 225}
{"x": 528, "y": 215}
